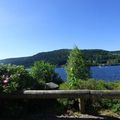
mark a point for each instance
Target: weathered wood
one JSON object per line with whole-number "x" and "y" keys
{"x": 82, "y": 105}
{"x": 72, "y": 93}
{"x": 105, "y": 94}
{"x": 46, "y": 94}
{"x": 56, "y": 93}
{"x": 79, "y": 104}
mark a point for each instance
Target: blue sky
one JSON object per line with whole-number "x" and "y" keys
{"x": 31, "y": 26}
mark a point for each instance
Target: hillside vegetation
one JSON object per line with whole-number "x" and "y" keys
{"x": 59, "y": 57}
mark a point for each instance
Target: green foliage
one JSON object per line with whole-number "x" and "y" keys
{"x": 44, "y": 72}
{"x": 64, "y": 86}
{"x": 14, "y": 78}
{"x": 68, "y": 104}
{"x": 76, "y": 68}
{"x": 110, "y": 104}
{"x": 116, "y": 85}
{"x": 85, "y": 84}
{"x": 113, "y": 104}
{"x": 116, "y": 107}
{"x": 101, "y": 85}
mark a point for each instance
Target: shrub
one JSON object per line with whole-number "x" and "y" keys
{"x": 116, "y": 85}
{"x": 85, "y": 84}
{"x": 44, "y": 72}
{"x": 14, "y": 78}
{"x": 64, "y": 86}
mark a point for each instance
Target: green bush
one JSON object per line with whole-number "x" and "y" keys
{"x": 44, "y": 72}
{"x": 116, "y": 85}
{"x": 14, "y": 78}
{"x": 85, "y": 84}
{"x": 64, "y": 86}
{"x": 91, "y": 84}
{"x": 111, "y": 104}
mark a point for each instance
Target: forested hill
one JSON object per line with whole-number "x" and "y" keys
{"x": 59, "y": 57}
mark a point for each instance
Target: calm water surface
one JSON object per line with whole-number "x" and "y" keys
{"x": 107, "y": 73}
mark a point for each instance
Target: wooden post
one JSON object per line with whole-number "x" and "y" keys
{"x": 81, "y": 104}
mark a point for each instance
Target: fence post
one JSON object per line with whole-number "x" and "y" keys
{"x": 81, "y": 103}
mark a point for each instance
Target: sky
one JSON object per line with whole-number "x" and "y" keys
{"x": 28, "y": 27}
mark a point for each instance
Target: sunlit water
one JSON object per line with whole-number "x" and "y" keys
{"x": 107, "y": 73}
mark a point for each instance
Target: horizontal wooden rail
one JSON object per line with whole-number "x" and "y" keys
{"x": 46, "y": 94}
{"x": 72, "y": 93}
{"x": 114, "y": 94}
{"x": 57, "y": 93}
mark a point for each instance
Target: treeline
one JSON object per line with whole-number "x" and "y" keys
{"x": 59, "y": 58}
{"x": 101, "y": 57}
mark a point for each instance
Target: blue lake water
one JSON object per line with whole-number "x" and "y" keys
{"x": 107, "y": 73}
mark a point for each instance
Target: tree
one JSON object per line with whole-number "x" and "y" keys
{"x": 76, "y": 68}
{"x": 44, "y": 72}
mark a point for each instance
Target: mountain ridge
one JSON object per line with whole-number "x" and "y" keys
{"x": 59, "y": 57}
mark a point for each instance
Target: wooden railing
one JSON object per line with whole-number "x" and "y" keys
{"x": 71, "y": 93}
{"x": 82, "y": 95}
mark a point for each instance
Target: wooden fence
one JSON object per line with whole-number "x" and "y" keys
{"x": 82, "y": 95}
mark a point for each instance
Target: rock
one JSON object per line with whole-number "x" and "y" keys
{"x": 51, "y": 86}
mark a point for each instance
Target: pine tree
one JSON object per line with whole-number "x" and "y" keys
{"x": 76, "y": 68}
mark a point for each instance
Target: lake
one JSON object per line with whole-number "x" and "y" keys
{"x": 107, "y": 73}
